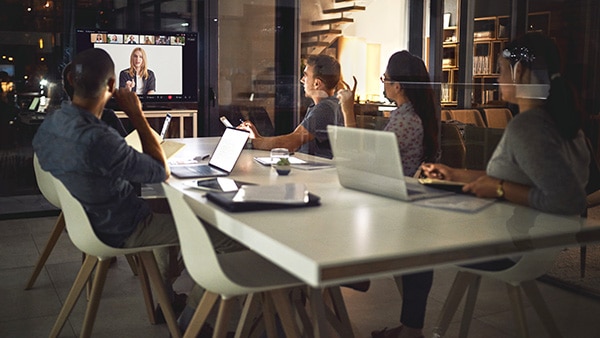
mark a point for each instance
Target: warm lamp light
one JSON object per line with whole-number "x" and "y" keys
{"x": 361, "y": 60}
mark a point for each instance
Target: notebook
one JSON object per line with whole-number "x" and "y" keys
{"x": 169, "y": 147}
{"x": 369, "y": 160}
{"x": 222, "y": 160}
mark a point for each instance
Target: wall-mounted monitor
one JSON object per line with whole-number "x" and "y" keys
{"x": 171, "y": 59}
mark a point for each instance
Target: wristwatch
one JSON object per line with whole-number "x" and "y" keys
{"x": 500, "y": 190}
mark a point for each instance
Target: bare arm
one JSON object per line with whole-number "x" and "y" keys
{"x": 291, "y": 141}
{"x": 346, "y": 98}
{"x": 444, "y": 172}
{"x": 131, "y": 105}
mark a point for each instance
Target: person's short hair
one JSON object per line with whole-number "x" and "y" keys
{"x": 91, "y": 70}
{"x": 326, "y": 69}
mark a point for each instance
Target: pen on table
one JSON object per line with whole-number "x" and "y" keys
{"x": 202, "y": 157}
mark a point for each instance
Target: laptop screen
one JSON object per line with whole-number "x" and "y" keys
{"x": 229, "y": 148}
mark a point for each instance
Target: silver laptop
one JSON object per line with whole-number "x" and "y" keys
{"x": 369, "y": 160}
{"x": 222, "y": 160}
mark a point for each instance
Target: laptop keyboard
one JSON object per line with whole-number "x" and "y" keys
{"x": 203, "y": 170}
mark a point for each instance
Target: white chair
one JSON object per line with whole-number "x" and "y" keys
{"x": 99, "y": 254}
{"x": 229, "y": 275}
{"x": 46, "y": 185}
{"x": 519, "y": 277}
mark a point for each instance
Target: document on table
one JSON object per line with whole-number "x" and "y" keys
{"x": 457, "y": 202}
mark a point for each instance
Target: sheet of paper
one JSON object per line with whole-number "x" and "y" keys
{"x": 267, "y": 160}
{"x": 169, "y": 147}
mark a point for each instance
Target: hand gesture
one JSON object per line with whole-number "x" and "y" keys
{"x": 249, "y": 126}
{"x": 128, "y": 101}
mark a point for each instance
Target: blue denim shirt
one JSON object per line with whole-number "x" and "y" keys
{"x": 97, "y": 166}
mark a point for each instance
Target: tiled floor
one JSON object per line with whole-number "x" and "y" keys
{"x": 121, "y": 314}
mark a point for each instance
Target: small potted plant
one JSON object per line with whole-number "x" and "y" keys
{"x": 283, "y": 166}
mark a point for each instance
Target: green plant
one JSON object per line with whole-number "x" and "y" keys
{"x": 283, "y": 161}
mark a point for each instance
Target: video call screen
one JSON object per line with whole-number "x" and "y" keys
{"x": 171, "y": 57}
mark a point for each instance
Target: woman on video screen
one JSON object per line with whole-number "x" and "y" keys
{"x": 138, "y": 77}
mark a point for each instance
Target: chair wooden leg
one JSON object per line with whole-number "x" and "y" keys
{"x": 250, "y": 318}
{"x": 582, "y": 257}
{"x": 455, "y": 295}
{"x": 161, "y": 291}
{"x": 269, "y": 315}
{"x": 537, "y": 301}
{"x": 223, "y": 316}
{"x": 207, "y": 302}
{"x": 318, "y": 313}
{"x": 132, "y": 263}
{"x": 283, "y": 304}
{"x": 338, "y": 318}
{"x": 298, "y": 296}
{"x": 146, "y": 289}
{"x": 80, "y": 281}
{"x": 465, "y": 323}
{"x": 58, "y": 229}
{"x": 516, "y": 301}
{"x": 95, "y": 296}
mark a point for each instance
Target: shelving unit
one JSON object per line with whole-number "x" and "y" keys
{"x": 449, "y": 65}
{"x": 490, "y": 34}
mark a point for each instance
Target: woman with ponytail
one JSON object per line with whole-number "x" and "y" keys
{"x": 542, "y": 159}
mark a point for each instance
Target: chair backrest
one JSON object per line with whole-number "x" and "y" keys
{"x": 371, "y": 122}
{"x": 80, "y": 229}
{"x": 468, "y": 116}
{"x": 453, "y": 146}
{"x": 45, "y": 183}
{"x": 198, "y": 253}
{"x": 497, "y": 117}
{"x": 530, "y": 266}
{"x": 446, "y": 115}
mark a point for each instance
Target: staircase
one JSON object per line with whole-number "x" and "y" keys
{"x": 328, "y": 28}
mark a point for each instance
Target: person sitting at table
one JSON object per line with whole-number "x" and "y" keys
{"x": 98, "y": 167}
{"x": 542, "y": 158}
{"x": 320, "y": 80}
{"x": 407, "y": 84}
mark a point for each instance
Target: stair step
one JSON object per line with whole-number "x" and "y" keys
{"x": 321, "y": 32}
{"x": 344, "y": 9}
{"x": 315, "y": 44}
{"x": 332, "y": 21}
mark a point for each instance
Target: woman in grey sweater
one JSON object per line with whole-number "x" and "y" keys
{"x": 542, "y": 159}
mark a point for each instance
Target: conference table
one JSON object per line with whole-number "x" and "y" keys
{"x": 353, "y": 236}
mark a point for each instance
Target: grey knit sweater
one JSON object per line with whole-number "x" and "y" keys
{"x": 532, "y": 152}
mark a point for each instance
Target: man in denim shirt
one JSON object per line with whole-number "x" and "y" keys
{"x": 98, "y": 167}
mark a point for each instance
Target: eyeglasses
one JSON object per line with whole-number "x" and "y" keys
{"x": 385, "y": 79}
{"x": 518, "y": 54}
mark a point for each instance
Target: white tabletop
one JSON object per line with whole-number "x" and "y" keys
{"x": 354, "y": 235}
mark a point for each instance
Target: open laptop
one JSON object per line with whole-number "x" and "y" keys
{"x": 222, "y": 160}
{"x": 369, "y": 160}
